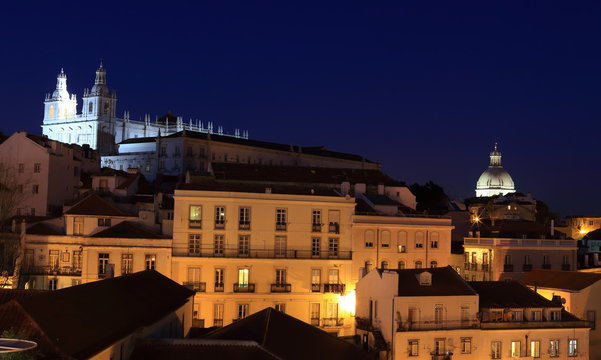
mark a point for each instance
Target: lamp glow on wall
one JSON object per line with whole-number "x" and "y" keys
{"x": 347, "y": 302}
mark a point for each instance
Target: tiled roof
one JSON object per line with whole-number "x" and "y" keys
{"x": 378, "y": 199}
{"x": 257, "y": 188}
{"x": 128, "y": 230}
{"x": 302, "y": 174}
{"x": 45, "y": 229}
{"x": 593, "y": 235}
{"x": 287, "y": 337}
{"x": 95, "y": 205}
{"x": 564, "y": 280}
{"x": 7, "y": 295}
{"x": 508, "y": 294}
{"x": 79, "y": 321}
{"x": 196, "y": 349}
{"x": 445, "y": 282}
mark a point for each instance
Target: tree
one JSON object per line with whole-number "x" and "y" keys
{"x": 430, "y": 198}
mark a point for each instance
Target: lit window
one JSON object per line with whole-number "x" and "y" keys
{"x": 281, "y": 307}
{"x": 243, "y": 275}
{"x": 535, "y": 348}
{"x": 195, "y": 216}
{"x": 150, "y": 262}
{"x": 572, "y": 347}
{"x": 219, "y": 217}
{"x": 516, "y": 348}
{"x": 219, "y": 278}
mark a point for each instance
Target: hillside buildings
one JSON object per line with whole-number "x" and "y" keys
{"x": 435, "y": 314}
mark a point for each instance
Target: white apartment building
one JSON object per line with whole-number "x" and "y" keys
{"x": 435, "y": 314}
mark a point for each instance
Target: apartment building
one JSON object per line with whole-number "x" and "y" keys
{"x": 246, "y": 247}
{"x": 435, "y": 314}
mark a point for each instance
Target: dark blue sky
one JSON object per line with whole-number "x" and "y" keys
{"x": 422, "y": 87}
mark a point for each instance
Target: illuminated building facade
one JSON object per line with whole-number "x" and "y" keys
{"x": 494, "y": 180}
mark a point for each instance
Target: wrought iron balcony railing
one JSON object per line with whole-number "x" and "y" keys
{"x": 196, "y": 285}
{"x": 508, "y": 267}
{"x": 51, "y": 270}
{"x": 281, "y": 288}
{"x": 316, "y": 227}
{"x": 334, "y": 228}
{"x": 315, "y": 287}
{"x": 334, "y": 288}
{"x": 332, "y": 322}
{"x": 244, "y": 288}
{"x": 219, "y": 287}
{"x": 264, "y": 253}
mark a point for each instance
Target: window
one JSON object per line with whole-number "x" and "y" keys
{"x": 242, "y": 311}
{"x": 244, "y": 245}
{"x": 21, "y": 168}
{"x": 402, "y": 241}
{"x": 516, "y": 348}
{"x": 433, "y": 264}
{"x": 434, "y": 240}
{"x": 52, "y": 283}
{"x": 103, "y": 262}
{"x": 438, "y": 314}
{"x": 517, "y": 315}
{"x": 401, "y": 265}
{"x": 385, "y": 239}
{"x": 418, "y": 264}
{"x": 281, "y": 219}
{"x": 315, "y": 247}
{"x": 194, "y": 277}
{"x": 280, "y": 276}
{"x": 368, "y": 266}
{"x": 53, "y": 259}
{"x": 315, "y": 313}
{"x": 219, "y": 279}
{"x": 243, "y": 275}
{"x": 332, "y": 311}
{"x": 194, "y": 244}
{"x": 35, "y": 189}
{"x": 218, "y": 315}
{"x": 333, "y": 247}
{"x": 384, "y": 264}
{"x": 334, "y": 221}
{"x": 76, "y": 260}
{"x": 244, "y": 218}
{"x": 281, "y": 307}
{"x": 150, "y": 262}
{"x": 527, "y": 260}
{"x": 369, "y": 238}
{"x": 537, "y": 315}
{"x": 413, "y": 347}
{"x": 127, "y": 263}
{"x": 572, "y": 347}
{"x": 37, "y": 167}
{"x": 280, "y": 246}
{"x": 333, "y": 276}
{"x": 565, "y": 260}
{"x": 439, "y": 346}
{"x": 495, "y": 349}
{"x": 316, "y": 221}
{"x": 104, "y": 222}
{"x": 219, "y": 217}
{"x": 507, "y": 260}
{"x": 535, "y": 348}
{"x": 555, "y": 315}
{"x": 419, "y": 240}
{"x": 466, "y": 345}
{"x": 315, "y": 280}
{"x": 195, "y": 216}
{"x": 553, "y": 347}
{"x": 219, "y": 245}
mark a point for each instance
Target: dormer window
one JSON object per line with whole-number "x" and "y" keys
{"x": 425, "y": 278}
{"x": 517, "y": 315}
{"x": 104, "y": 222}
{"x": 537, "y": 315}
{"x": 555, "y": 315}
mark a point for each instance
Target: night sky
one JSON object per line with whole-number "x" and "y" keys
{"x": 424, "y": 87}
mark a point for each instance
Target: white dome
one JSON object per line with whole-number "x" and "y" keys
{"x": 494, "y": 180}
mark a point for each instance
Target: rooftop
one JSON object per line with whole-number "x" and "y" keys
{"x": 96, "y": 206}
{"x": 129, "y": 230}
{"x": 508, "y": 294}
{"x": 445, "y": 282}
{"x": 564, "y": 280}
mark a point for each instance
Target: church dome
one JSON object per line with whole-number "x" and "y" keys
{"x": 495, "y": 180}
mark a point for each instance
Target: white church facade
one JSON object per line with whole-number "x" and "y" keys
{"x": 98, "y": 125}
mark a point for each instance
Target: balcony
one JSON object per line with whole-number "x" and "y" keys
{"x": 51, "y": 270}
{"x": 438, "y": 325}
{"x": 219, "y": 287}
{"x": 326, "y": 322}
{"x": 527, "y": 267}
{"x": 315, "y": 227}
{"x": 280, "y": 226}
{"x": 474, "y": 267}
{"x": 281, "y": 288}
{"x": 315, "y": 287}
{"x": 511, "y": 242}
{"x": 235, "y": 252}
{"x": 315, "y": 321}
{"x": 334, "y": 288}
{"x": 244, "y": 226}
{"x": 508, "y": 267}
{"x": 546, "y": 266}
{"x": 219, "y": 225}
{"x": 196, "y": 285}
{"x": 244, "y": 288}
{"x": 334, "y": 228}
{"x": 485, "y": 267}
{"x": 565, "y": 267}
{"x": 195, "y": 224}
{"x": 217, "y": 322}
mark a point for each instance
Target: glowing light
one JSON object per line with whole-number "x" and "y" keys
{"x": 347, "y": 303}
{"x": 582, "y": 232}
{"x": 476, "y": 219}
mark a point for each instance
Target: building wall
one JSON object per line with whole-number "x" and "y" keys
{"x": 393, "y": 239}
{"x": 262, "y": 261}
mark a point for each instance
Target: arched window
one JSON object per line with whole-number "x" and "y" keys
{"x": 90, "y": 107}
{"x": 385, "y": 239}
{"x": 369, "y": 238}
{"x": 51, "y": 111}
{"x": 384, "y": 264}
{"x": 368, "y": 266}
{"x": 402, "y": 241}
{"x": 434, "y": 240}
{"x": 419, "y": 240}
{"x": 433, "y": 264}
{"x": 418, "y": 264}
{"x": 401, "y": 265}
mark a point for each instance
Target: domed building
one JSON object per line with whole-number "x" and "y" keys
{"x": 494, "y": 180}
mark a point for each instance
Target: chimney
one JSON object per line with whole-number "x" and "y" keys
{"x": 267, "y": 190}
{"x": 552, "y": 227}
